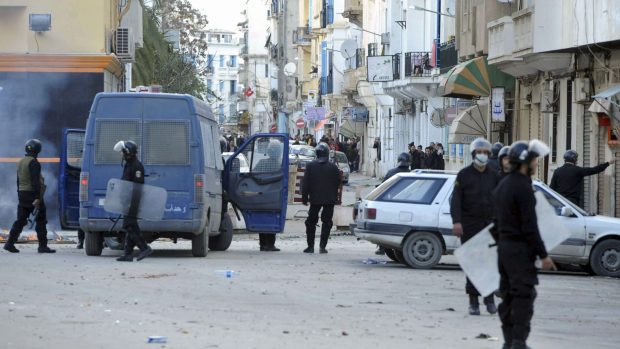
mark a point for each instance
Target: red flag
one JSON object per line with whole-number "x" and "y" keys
{"x": 433, "y": 61}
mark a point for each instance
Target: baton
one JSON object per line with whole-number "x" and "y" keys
{"x": 35, "y": 212}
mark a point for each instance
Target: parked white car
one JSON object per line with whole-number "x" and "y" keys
{"x": 410, "y": 216}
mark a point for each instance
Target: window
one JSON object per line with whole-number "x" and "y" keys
{"x": 166, "y": 142}
{"x": 210, "y": 59}
{"x": 75, "y": 145}
{"x": 569, "y": 113}
{"x": 233, "y": 61}
{"x": 222, "y": 61}
{"x": 413, "y": 190}
{"x": 109, "y": 132}
{"x": 233, "y": 87}
{"x": 266, "y": 70}
{"x": 265, "y": 154}
{"x": 207, "y": 138}
{"x": 221, "y": 86}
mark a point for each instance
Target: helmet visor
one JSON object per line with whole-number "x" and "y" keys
{"x": 118, "y": 147}
{"x": 539, "y": 148}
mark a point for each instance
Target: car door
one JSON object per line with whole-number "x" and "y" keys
{"x": 72, "y": 147}
{"x": 260, "y": 193}
{"x": 445, "y": 217}
{"x": 576, "y": 224}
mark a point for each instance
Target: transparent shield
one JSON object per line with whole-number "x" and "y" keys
{"x": 552, "y": 231}
{"x": 478, "y": 259}
{"x": 122, "y": 197}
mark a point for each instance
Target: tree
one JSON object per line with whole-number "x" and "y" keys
{"x": 157, "y": 62}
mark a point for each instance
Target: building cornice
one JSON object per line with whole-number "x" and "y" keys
{"x": 60, "y": 63}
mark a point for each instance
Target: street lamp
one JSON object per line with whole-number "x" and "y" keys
{"x": 418, "y": 8}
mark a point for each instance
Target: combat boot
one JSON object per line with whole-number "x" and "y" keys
{"x": 322, "y": 250}
{"x": 309, "y": 250}
{"x": 144, "y": 253}
{"x": 518, "y": 344}
{"x": 489, "y": 301}
{"x": 474, "y": 307}
{"x": 125, "y": 258}
{"x": 11, "y": 248}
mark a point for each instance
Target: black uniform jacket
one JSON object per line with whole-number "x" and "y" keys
{"x": 394, "y": 171}
{"x": 321, "y": 182}
{"x": 515, "y": 213}
{"x": 133, "y": 171}
{"x": 472, "y": 198}
{"x": 568, "y": 179}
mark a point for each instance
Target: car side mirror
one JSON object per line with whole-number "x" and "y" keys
{"x": 567, "y": 212}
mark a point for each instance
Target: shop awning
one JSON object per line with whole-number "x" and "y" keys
{"x": 466, "y": 80}
{"x": 351, "y": 129}
{"x": 603, "y": 102}
{"x": 469, "y": 125}
{"x": 610, "y": 92}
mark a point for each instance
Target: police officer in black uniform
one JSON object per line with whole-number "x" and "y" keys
{"x": 568, "y": 179}
{"x": 493, "y": 159}
{"x": 133, "y": 171}
{"x": 504, "y": 162}
{"x": 30, "y": 191}
{"x": 472, "y": 208}
{"x": 320, "y": 188}
{"x": 519, "y": 243}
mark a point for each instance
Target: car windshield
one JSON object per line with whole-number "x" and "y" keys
{"x": 557, "y": 204}
{"x": 412, "y": 190}
{"x": 340, "y": 157}
{"x": 304, "y": 151}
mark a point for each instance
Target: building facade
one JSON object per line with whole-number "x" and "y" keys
{"x": 223, "y": 74}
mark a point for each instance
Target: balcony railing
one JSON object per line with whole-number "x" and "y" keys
{"x": 302, "y": 36}
{"x": 449, "y": 56}
{"x": 353, "y": 11}
{"x": 396, "y": 66}
{"x": 417, "y": 64}
{"x": 523, "y": 30}
{"x": 330, "y": 84}
{"x": 360, "y": 57}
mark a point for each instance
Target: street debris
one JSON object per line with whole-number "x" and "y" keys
{"x": 373, "y": 261}
{"x": 157, "y": 339}
{"x": 30, "y": 236}
{"x": 449, "y": 309}
{"x": 344, "y": 333}
{"x": 227, "y": 273}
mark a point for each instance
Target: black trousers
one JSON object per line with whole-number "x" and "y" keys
{"x": 133, "y": 237}
{"x": 24, "y": 210}
{"x": 266, "y": 240}
{"x": 518, "y": 276}
{"x": 469, "y": 231}
{"x": 326, "y": 223}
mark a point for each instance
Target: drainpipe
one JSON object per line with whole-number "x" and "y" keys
{"x": 438, "y": 40}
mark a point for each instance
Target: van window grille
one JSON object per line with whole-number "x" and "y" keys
{"x": 75, "y": 145}
{"x": 109, "y": 132}
{"x": 166, "y": 142}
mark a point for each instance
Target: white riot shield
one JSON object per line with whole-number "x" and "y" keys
{"x": 478, "y": 259}
{"x": 478, "y": 256}
{"x": 121, "y": 194}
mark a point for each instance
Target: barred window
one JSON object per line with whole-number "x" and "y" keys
{"x": 75, "y": 146}
{"x": 109, "y": 132}
{"x": 166, "y": 142}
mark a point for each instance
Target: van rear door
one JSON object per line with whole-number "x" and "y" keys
{"x": 260, "y": 190}
{"x": 72, "y": 147}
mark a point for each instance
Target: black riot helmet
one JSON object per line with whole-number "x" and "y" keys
{"x": 522, "y": 152}
{"x": 404, "y": 159}
{"x": 33, "y": 147}
{"x": 322, "y": 150}
{"x": 503, "y": 152}
{"x": 127, "y": 148}
{"x": 496, "y": 148}
{"x": 571, "y": 156}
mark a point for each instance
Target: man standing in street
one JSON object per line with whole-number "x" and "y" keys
{"x": 472, "y": 208}
{"x": 416, "y": 157}
{"x": 568, "y": 179}
{"x": 439, "y": 161}
{"x": 133, "y": 171}
{"x": 504, "y": 162}
{"x": 30, "y": 191}
{"x": 519, "y": 243}
{"x": 320, "y": 188}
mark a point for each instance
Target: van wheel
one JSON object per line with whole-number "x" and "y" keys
{"x": 94, "y": 243}
{"x": 391, "y": 254}
{"x": 224, "y": 239}
{"x": 398, "y": 255}
{"x": 605, "y": 258}
{"x": 200, "y": 243}
{"x": 422, "y": 250}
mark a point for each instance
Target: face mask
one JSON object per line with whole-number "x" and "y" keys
{"x": 481, "y": 159}
{"x": 440, "y": 151}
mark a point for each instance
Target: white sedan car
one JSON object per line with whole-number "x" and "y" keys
{"x": 409, "y": 215}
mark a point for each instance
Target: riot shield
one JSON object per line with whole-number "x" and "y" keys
{"x": 134, "y": 199}
{"x": 478, "y": 256}
{"x": 478, "y": 259}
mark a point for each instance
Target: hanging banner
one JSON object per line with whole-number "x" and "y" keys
{"x": 497, "y": 99}
{"x": 315, "y": 113}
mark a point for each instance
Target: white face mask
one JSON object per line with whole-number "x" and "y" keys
{"x": 481, "y": 159}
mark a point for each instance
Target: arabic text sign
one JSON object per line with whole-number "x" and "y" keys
{"x": 315, "y": 113}
{"x": 380, "y": 68}
{"x": 497, "y": 102}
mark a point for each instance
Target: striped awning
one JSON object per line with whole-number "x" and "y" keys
{"x": 467, "y": 80}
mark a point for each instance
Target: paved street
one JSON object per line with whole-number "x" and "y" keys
{"x": 277, "y": 300}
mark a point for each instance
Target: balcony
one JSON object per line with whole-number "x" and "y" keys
{"x": 396, "y": 66}
{"x": 523, "y": 31}
{"x": 448, "y": 56}
{"x": 501, "y": 40}
{"x": 302, "y": 36}
{"x": 352, "y": 77}
{"x": 353, "y": 10}
{"x": 417, "y": 64}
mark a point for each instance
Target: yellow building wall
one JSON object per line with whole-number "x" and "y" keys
{"x": 77, "y": 27}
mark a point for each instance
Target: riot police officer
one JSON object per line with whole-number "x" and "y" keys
{"x": 568, "y": 179}
{"x": 320, "y": 188}
{"x": 472, "y": 208}
{"x": 504, "y": 161}
{"x": 30, "y": 191}
{"x": 133, "y": 171}
{"x": 519, "y": 242}
{"x": 493, "y": 159}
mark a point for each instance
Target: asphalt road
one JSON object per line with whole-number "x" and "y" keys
{"x": 276, "y": 300}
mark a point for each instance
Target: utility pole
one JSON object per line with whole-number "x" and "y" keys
{"x": 281, "y": 57}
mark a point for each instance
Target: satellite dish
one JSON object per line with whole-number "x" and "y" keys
{"x": 348, "y": 48}
{"x": 290, "y": 68}
{"x": 438, "y": 118}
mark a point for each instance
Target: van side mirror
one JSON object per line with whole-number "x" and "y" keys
{"x": 567, "y": 212}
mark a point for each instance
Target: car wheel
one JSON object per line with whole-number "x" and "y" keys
{"x": 398, "y": 255}
{"x": 391, "y": 254}
{"x": 224, "y": 239}
{"x": 200, "y": 243}
{"x": 94, "y": 243}
{"x": 605, "y": 258}
{"x": 422, "y": 250}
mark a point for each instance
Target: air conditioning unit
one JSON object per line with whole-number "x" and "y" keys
{"x": 582, "y": 90}
{"x": 385, "y": 39}
{"x": 547, "y": 101}
{"x": 123, "y": 43}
